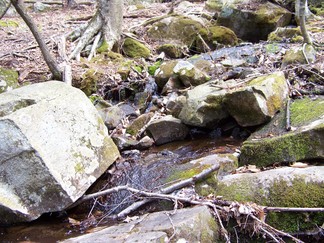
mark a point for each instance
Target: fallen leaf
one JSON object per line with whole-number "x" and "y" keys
{"x": 299, "y": 165}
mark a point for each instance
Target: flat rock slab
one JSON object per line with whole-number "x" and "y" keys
{"x": 53, "y": 146}
{"x": 191, "y": 224}
{"x": 282, "y": 187}
{"x": 274, "y": 144}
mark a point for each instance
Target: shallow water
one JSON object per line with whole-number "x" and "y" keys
{"x": 142, "y": 170}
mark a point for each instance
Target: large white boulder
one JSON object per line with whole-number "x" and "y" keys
{"x": 53, "y": 146}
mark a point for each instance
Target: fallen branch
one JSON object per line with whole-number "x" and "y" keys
{"x": 167, "y": 190}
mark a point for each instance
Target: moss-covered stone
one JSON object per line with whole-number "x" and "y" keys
{"x": 171, "y": 50}
{"x": 8, "y": 79}
{"x": 253, "y": 24}
{"x": 164, "y": 72}
{"x": 284, "y": 187}
{"x": 305, "y": 143}
{"x": 89, "y": 81}
{"x": 286, "y": 34}
{"x": 306, "y": 110}
{"x": 212, "y": 37}
{"x": 133, "y": 48}
{"x": 297, "y": 55}
{"x": 263, "y": 97}
{"x": 179, "y": 28}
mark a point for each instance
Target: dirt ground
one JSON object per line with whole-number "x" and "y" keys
{"x": 19, "y": 50}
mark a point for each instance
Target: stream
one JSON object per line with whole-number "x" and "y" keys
{"x": 142, "y": 170}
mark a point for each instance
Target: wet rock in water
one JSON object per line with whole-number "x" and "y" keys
{"x": 195, "y": 224}
{"x": 125, "y": 142}
{"x": 203, "y": 106}
{"x": 137, "y": 124}
{"x": 273, "y": 144}
{"x": 53, "y": 146}
{"x": 167, "y": 129}
{"x": 114, "y": 115}
{"x": 253, "y": 23}
{"x": 282, "y": 187}
{"x": 8, "y": 79}
{"x": 258, "y": 101}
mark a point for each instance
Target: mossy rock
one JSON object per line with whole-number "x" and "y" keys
{"x": 263, "y": 97}
{"x": 8, "y": 79}
{"x": 181, "y": 29}
{"x": 282, "y": 187}
{"x": 212, "y": 37}
{"x": 297, "y": 55}
{"x": 228, "y": 163}
{"x": 306, "y": 142}
{"x": 171, "y": 50}
{"x": 133, "y": 48}
{"x": 89, "y": 80}
{"x": 286, "y": 34}
{"x": 254, "y": 25}
{"x": 164, "y": 72}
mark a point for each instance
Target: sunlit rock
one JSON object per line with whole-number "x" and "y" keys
{"x": 258, "y": 101}
{"x": 274, "y": 144}
{"x": 53, "y": 146}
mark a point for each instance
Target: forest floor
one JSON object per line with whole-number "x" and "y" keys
{"x": 19, "y": 50}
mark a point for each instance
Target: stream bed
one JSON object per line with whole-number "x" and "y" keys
{"x": 142, "y": 170}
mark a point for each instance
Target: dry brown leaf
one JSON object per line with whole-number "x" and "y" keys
{"x": 299, "y": 165}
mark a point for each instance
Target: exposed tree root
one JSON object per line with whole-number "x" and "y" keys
{"x": 92, "y": 29}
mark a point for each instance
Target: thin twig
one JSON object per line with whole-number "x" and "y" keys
{"x": 288, "y": 125}
{"x": 276, "y": 230}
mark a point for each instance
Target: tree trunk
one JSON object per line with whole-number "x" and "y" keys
{"x": 4, "y": 6}
{"x": 302, "y": 20}
{"x": 51, "y": 63}
{"x": 108, "y": 19}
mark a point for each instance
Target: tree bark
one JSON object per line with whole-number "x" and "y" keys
{"x": 302, "y": 20}
{"x": 51, "y": 63}
{"x": 4, "y": 6}
{"x": 108, "y": 19}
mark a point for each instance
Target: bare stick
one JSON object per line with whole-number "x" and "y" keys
{"x": 284, "y": 209}
{"x": 276, "y": 230}
{"x": 166, "y": 190}
{"x": 288, "y": 125}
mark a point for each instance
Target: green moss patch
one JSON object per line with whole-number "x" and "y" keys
{"x": 304, "y": 111}
{"x": 133, "y": 48}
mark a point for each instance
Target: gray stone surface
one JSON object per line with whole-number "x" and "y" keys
{"x": 167, "y": 129}
{"x": 53, "y": 146}
{"x": 195, "y": 224}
